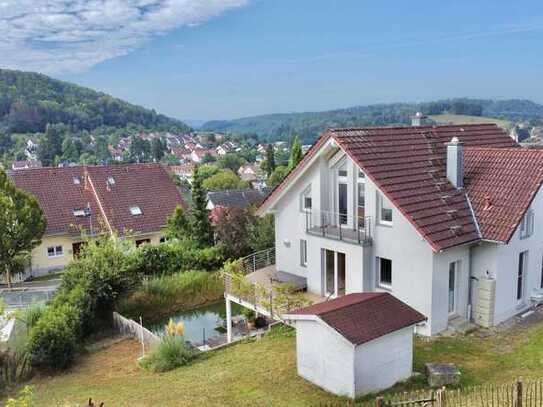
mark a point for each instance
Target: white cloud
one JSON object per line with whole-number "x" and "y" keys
{"x": 55, "y": 36}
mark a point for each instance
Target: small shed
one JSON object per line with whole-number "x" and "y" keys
{"x": 355, "y": 344}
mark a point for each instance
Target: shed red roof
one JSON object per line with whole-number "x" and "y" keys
{"x": 60, "y": 191}
{"x": 501, "y": 184}
{"x": 408, "y": 165}
{"x": 362, "y": 317}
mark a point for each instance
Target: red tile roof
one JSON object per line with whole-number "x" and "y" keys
{"x": 362, "y": 317}
{"x": 501, "y": 184}
{"x": 408, "y": 165}
{"x": 145, "y": 185}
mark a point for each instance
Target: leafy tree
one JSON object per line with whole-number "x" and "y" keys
{"x": 230, "y": 162}
{"x": 158, "y": 149}
{"x": 199, "y": 220}
{"x": 224, "y": 180}
{"x": 207, "y": 170}
{"x": 231, "y": 231}
{"x": 278, "y": 175}
{"x": 140, "y": 149}
{"x": 295, "y": 153}
{"x": 6, "y": 142}
{"x": 270, "y": 160}
{"x": 50, "y": 145}
{"x": 178, "y": 225}
{"x": 88, "y": 159}
{"x": 21, "y": 226}
{"x": 261, "y": 233}
{"x": 208, "y": 158}
{"x": 71, "y": 150}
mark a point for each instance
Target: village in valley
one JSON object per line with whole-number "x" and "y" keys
{"x": 384, "y": 254}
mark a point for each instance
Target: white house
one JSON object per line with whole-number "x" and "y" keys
{"x": 355, "y": 344}
{"x": 442, "y": 217}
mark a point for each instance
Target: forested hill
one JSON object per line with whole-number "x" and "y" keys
{"x": 29, "y": 101}
{"x": 310, "y": 124}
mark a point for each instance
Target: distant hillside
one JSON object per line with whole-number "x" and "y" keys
{"x": 29, "y": 101}
{"x": 309, "y": 125}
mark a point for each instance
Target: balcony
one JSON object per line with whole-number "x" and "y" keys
{"x": 338, "y": 226}
{"x": 257, "y": 284}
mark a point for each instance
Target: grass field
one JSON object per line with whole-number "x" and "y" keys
{"x": 464, "y": 119}
{"x": 263, "y": 373}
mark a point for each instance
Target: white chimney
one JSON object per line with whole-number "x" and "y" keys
{"x": 418, "y": 119}
{"x": 455, "y": 162}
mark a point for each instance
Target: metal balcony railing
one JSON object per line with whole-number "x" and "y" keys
{"x": 339, "y": 226}
{"x": 258, "y": 260}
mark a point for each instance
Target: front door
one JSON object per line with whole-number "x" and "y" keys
{"x": 329, "y": 272}
{"x": 452, "y": 287}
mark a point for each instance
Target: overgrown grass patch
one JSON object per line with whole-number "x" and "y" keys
{"x": 163, "y": 296}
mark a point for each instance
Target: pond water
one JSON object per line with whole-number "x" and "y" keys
{"x": 207, "y": 320}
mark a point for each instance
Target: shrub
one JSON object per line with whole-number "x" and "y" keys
{"x": 25, "y": 398}
{"x": 31, "y": 315}
{"x": 176, "y": 256}
{"x": 52, "y": 342}
{"x": 171, "y": 353}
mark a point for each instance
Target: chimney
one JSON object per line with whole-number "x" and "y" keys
{"x": 417, "y": 119}
{"x": 455, "y": 163}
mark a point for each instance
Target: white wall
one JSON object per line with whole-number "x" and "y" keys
{"x": 325, "y": 358}
{"x": 411, "y": 255}
{"x": 383, "y": 362}
{"x": 440, "y": 286}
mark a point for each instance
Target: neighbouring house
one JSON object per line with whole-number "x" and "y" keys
{"x": 233, "y": 198}
{"x": 226, "y": 148}
{"x": 198, "y": 155}
{"x": 184, "y": 171}
{"x": 25, "y": 165}
{"x": 248, "y": 172}
{"x": 355, "y": 344}
{"x": 442, "y": 217}
{"x": 132, "y": 200}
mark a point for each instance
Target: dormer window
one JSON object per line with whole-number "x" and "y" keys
{"x": 135, "y": 210}
{"x": 76, "y": 180}
{"x": 79, "y": 213}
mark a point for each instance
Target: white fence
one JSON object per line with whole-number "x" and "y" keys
{"x": 131, "y": 328}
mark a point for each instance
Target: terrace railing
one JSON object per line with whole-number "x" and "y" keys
{"x": 258, "y": 260}
{"x": 339, "y": 226}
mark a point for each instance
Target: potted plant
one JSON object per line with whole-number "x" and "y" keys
{"x": 250, "y": 317}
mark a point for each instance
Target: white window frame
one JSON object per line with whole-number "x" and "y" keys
{"x": 380, "y": 201}
{"x": 58, "y": 251}
{"x": 527, "y": 224}
{"x": 380, "y": 284}
{"x": 303, "y": 252}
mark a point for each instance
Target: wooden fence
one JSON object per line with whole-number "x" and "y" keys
{"x": 518, "y": 394}
{"x": 131, "y": 328}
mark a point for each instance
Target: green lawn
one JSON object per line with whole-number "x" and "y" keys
{"x": 464, "y": 119}
{"x": 263, "y": 373}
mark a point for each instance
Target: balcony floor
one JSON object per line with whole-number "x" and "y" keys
{"x": 346, "y": 235}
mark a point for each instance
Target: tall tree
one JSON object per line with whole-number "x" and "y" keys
{"x": 101, "y": 150}
{"x": 199, "y": 221}
{"x": 295, "y": 153}
{"x": 231, "y": 231}
{"x": 158, "y": 149}
{"x": 270, "y": 160}
{"x": 21, "y": 226}
{"x": 50, "y": 145}
{"x": 71, "y": 150}
{"x": 178, "y": 226}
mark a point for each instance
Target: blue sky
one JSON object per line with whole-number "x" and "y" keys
{"x": 217, "y": 59}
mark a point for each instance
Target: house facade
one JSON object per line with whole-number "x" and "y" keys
{"x": 441, "y": 217}
{"x": 133, "y": 201}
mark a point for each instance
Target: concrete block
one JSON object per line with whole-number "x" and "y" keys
{"x": 442, "y": 374}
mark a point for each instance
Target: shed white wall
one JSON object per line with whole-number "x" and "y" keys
{"x": 381, "y": 363}
{"x": 325, "y": 358}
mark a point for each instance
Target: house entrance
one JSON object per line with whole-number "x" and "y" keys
{"x": 334, "y": 272}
